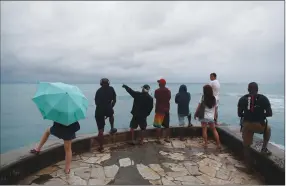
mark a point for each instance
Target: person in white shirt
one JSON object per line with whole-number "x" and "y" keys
{"x": 216, "y": 87}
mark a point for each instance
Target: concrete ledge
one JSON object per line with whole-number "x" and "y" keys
{"x": 19, "y": 164}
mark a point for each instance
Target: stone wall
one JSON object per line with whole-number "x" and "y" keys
{"x": 24, "y": 164}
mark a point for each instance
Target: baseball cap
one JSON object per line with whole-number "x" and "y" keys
{"x": 147, "y": 87}
{"x": 162, "y": 81}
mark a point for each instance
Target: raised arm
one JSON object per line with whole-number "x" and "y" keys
{"x": 130, "y": 91}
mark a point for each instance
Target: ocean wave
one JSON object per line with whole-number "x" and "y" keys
{"x": 278, "y": 145}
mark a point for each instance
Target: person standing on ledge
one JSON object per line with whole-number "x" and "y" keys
{"x": 162, "y": 110}
{"x": 183, "y": 99}
{"x": 254, "y": 108}
{"x": 105, "y": 99}
{"x": 142, "y": 107}
{"x": 216, "y": 87}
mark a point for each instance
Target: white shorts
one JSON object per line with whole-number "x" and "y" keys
{"x": 181, "y": 120}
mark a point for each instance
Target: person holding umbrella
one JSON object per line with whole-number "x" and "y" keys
{"x": 65, "y": 105}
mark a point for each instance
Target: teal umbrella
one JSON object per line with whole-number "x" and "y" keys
{"x": 60, "y": 102}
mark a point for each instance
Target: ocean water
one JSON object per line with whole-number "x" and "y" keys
{"x": 22, "y": 124}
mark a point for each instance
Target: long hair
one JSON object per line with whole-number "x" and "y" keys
{"x": 209, "y": 98}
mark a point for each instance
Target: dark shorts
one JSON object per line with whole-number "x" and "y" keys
{"x": 100, "y": 117}
{"x": 65, "y": 133}
{"x": 138, "y": 120}
{"x": 166, "y": 121}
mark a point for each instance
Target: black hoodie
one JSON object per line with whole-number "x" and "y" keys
{"x": 183, "y": 99}
{"x": 142, "y": 104}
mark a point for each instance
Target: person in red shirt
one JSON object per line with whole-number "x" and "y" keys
{"x": 162, "y": 109}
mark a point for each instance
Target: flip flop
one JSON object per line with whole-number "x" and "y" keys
{"x": 34, "y": 151}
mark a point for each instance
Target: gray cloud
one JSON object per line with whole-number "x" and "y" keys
{"x": 142, "y": 41}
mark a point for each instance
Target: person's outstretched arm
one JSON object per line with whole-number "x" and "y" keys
{"x": 130, "y": 91}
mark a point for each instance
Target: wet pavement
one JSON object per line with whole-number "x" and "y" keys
{"x": 175, "y": 163}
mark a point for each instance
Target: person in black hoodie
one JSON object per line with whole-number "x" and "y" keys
{"x": 142, "y": 107}
{"x": 183, "y": 99}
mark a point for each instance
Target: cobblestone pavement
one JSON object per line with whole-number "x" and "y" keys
{"x": 175, "y": 163}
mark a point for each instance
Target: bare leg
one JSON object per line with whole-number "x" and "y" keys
{"x": 68, "y": 151}
{"x": 216, "y": 136}
{"x": 266, "y": 137}
{"x": 132, "y": 136}
{"x": 43, "y": 139}
{"x": 205, "y": 135}
{"x": 100, "y": 140}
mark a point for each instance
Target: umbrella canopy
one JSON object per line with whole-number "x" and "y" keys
{"x": 61, "y": 102}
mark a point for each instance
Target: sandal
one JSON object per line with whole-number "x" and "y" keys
{"x": 266, "y": 151}
{"x": 34, "y": 151}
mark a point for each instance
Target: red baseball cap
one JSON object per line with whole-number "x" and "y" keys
{"x": 162, "y": 81}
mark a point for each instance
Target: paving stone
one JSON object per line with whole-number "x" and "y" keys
{"x": 55, "y": 181}
{"x": 61, "y": 162}
{"x": 216, "y": 181}
{"x": 168, "y": 145}
{"x": 215, "y": 158}
{"x": 97, "y": 173}
{"x": 155, "y": 182}
{"x": 167, "y": 182}
{"x": 147, "y": 173}
{"x": 177, "y": 174}
{"x": 205, "y": 179}
{"x": 76, "y": 164}
{"x": 175, "y": 167}
{"x": 176, "y": 156}
{"x": 104, "y": 157}
{"x": 199, "y": 154}
{"x": 192, "y": 169}
{"x": 75, "y": 180}
{"x": 190, "y": 179}
{"x": 87, "y": 154}
{"x": 157, "y": 168}
{"x": 178, "y": 182}
{"x": 210, "y": 163}
{"x": 211, "y": 171}
{"x": 192, "y": 143}
{"x": 125, "y": 162}
{"x": 82, "y": 172}
{"x": 111, "y": 171}
{"x": 76, "y": 157}
{"x": 223, "y": 174}
{"x": 163, "y": 153}
{"x": 61, "y": 173}
{"x": 178, "y": 144}
{"x": 169, "y": 178}
{"x": 91, "y": 160}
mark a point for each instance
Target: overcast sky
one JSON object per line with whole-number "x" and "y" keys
{"x": 142, "y": 41}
